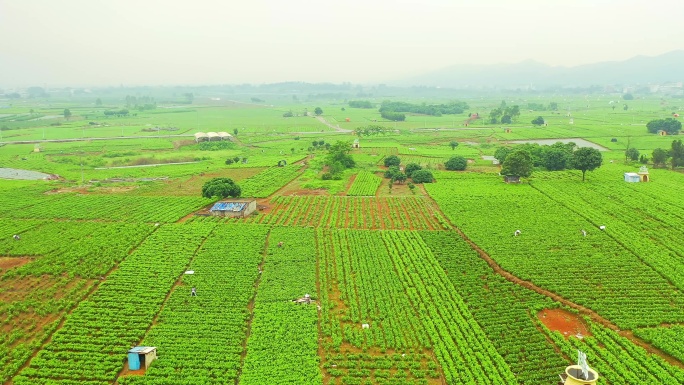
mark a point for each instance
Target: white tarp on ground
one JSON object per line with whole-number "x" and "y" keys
{"x": 14, "y": 173}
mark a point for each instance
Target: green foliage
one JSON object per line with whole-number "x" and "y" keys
{"x": 360, "y": 104}
{"x": 411, "y": 168}
{"x": 338, "y": 158}
{"x": 556, "y": 159}
{"x": 670, "y": 125}
{"x": 318, "y": 111}
{"x": 221, "y": 188}
{"x": 392, "y": 160}
{"x": 392, "y": 172}
{"x": 586, "y": 159}
{"x": 538, "y": 121}
{"x": 501, "y": 153}
{"x": 453, "y": 144}
{"x": 435, "y": 109}
{"x": 365, "y": 184}
{"x": 67, "y": 113}
{"x": 632, "y": 154}
{"x": 456, "y": 163}
{"x": 216, "y": 145}
{"x": 677, "y": 154}
{"x": 371, "y": 130}
{"x": 422, "y": 176}
{"x": 518, "y": 163}
{"x": 393, "y": 116}
{"x": 628, "y": 96}
{"x": 659, "y": 157}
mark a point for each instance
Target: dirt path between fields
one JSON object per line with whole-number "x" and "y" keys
{"x": 583, "y": 310}
{"x": 335, "y": 127}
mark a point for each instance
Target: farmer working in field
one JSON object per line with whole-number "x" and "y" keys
{"x": 193, "y": 292}
{"x": 16, "y": 237}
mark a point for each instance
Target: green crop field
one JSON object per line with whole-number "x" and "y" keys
{"x": 339, "y": 277}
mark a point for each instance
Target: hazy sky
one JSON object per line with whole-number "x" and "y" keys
{"x": 130, "y": 42}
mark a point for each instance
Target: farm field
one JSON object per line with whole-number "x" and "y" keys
{"x": 338, "y": 280}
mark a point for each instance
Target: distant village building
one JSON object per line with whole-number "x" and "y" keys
{"x": 662, "y": 133}
{"x": 636, "y": 177}
{"x": 356, "y": 144}
{"x": 200, "y": 137}
{"x": 233, "y": 208}
{"x": 643, "y": 174}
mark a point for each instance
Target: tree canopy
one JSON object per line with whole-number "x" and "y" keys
{"x": 392, "y": 160}
{"x": 670, "y": 125}
{"x": 453, "y": 144}
{"x": 67, "y": 113}
{"x": 501, "y": 153}
{"x": 221, "y": 188}
{"x": 411, "y": 168}
{"x": 518, "y": 163}
{"x": 318, "y": 111}
{"x": 659, "y": 157}
{"x": 586, "y": 159}
{"x": 456, "y": 163}
{"x": 338, "y": 158}
{"x": 422, "y": 176}
{"x": 677, "y": 153}
{"x": 538, "y": 121}
{"x": 632, "y": 154}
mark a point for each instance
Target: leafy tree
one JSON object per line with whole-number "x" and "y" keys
{"x": 400, "y": 177}
{"x": 553, "y": 106}
{"x": 229, "y": 161}
{"x": 506, "y": 119}
{"x": 67, "y": 114}
{"x": 538, "y": 121}
{"x": 393, "y": 116}
{"x": 392, "y": 160}
{"x": 670, "y": 125}
{"x": 318, "y": 111}
{"x": 659, "y": 157}
{"x": 628, "y": 96}
{"x": 412, "y": 187}
{"x": 495, "y": 115}
{"x": 555, "y": 159}
{"x": 371, "y": 130}
{"x": 236, "y": 159}
{"x": 586, "y": 159}
{"x": 456, "y": 163}
{"x": 518, "y": 163}
{"x": 422, "y": 176}
{"x": 411, "y": 168}
{"x": 501, "y": 153}
{"x": 98, "y": 102}
{"x": 512, "y": 112}
{"x": 235, "y": 131}
{"x": 221, "y": 188}
{"x": 677, "y": 153}
{"x": 625, "y": 107}
{"x": 392, "y": 172}
{"x": 338, "y": 158}
{"x": 453, "y": 144}
{"x": 632, "y": 154}
{"x": 288, "y": 114}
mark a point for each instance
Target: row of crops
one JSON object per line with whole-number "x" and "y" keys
{"x": 269, "y": 181}
{"x": 595, "y": 271}
{"x": 93, "y": 340}
{"x": 200, "y": 338}
{"x": 366, "y": 183}
{"x": 283, "y": 344}
{"x": 353, "y": 212}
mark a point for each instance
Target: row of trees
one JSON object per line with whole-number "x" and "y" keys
{"x": 521, "y": 160}
{"x": 452, "y": 108}
{"x": 670, "y": 125}
{"x": 412, "y": 170}
{"x": 504, "y": 114}
{"x": 660, "y": 157}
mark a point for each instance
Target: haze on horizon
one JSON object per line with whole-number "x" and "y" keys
{"x": 145, "y": 42}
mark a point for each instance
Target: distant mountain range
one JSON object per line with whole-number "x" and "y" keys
{"x": 668, "y": 67}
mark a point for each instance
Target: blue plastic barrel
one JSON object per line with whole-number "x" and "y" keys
{"x": 133, "y": 361}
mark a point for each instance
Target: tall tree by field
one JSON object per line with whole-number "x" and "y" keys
{"x": 632, "y": 154}
{"x": 538, "y": 121}
{"x": 411, "y": 168}
{"x": 453, "y": 144}
{"x": 628, "y": 96}
{"x": 338, "y": 158}
{"x": 67, "y": 113}
{"x": 586, "y": 159}
{"x": 677, "y": 153}
{"x": 659, "y": 157}
{"x": 221, "y": 188}
{"x": 555, "y": 158}
{"x": 318, "y": 111}
{"x": 669, "y": 125}
{"x": 456, "y": 163}
{"x": 518, "y": 163}
{"x": 501, "y": 153}
{"x": 422, "y": 176}
{"x": 392, "y": 160}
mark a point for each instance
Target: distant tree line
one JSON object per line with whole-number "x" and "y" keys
{"x": 426, "y": 109}
{"x": 670, "y": 125}
{"x": 393, "y": 116}
{"x": 522, "y": 159}
{"x": 553, "y": 106}
{"x": 119, "y": 113}
{"x": 360, "y": 104}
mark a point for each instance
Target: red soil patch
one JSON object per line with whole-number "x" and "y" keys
{"x": 563, "y": 321}
{"x": 305, "y": 192}
{"x": 7, "y": 263}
